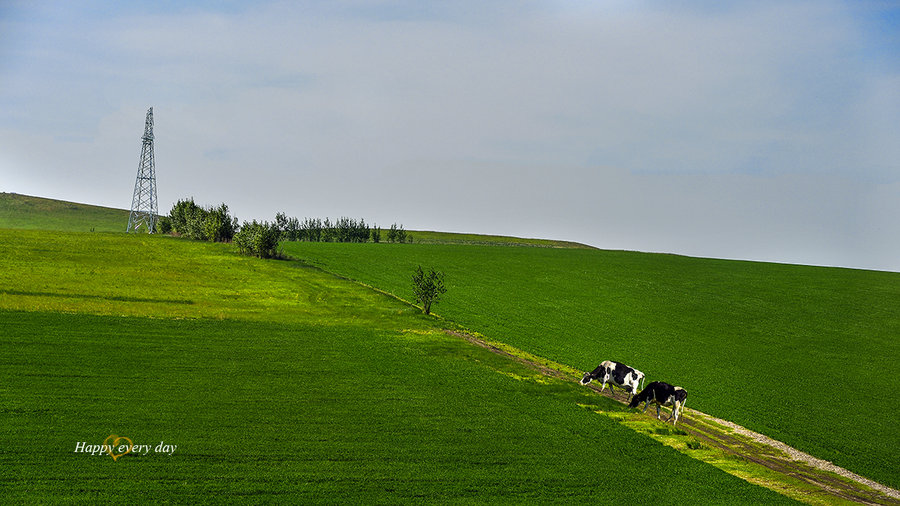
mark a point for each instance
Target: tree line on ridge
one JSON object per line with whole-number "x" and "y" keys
{"x": 261, "y": 239}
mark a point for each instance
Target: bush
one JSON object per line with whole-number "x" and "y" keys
{"x": 259, "y": 239}
{"x": 205, "y": 224}
{"x": 182, "y": 213}
{"x": 218, "y": 225}
{"x": 163, "y": 225}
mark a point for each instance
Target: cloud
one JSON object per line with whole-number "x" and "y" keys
{"x": 752, "y": 130}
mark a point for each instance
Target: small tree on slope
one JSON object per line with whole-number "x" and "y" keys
{"x": 428, "y": 288}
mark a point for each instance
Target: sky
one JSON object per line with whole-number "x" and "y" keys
{"x": 757, "y": 130}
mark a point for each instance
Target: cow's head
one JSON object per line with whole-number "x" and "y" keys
{"x": 587, "y": 378}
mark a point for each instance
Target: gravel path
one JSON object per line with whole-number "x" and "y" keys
{"x": 799, "y": 456}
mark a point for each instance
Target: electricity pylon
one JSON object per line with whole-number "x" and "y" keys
{"x": 143, "y": 205}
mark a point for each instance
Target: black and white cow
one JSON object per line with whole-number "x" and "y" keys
{"x": 662, "y": 394}
{"x": 615, "y": 373}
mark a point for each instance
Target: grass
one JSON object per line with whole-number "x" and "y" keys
{"x": 805, "y": 355}
{"x": 428, "y": 237}
{"x": 142, "y": 275}
{"x": 278, "y": 382}
{"x": 23, "y": 211}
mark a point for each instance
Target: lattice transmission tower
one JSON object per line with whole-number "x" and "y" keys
{"x": 143, "y": 205}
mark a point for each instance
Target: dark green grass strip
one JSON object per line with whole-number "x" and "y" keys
{"x": 312, "y": 413}
{"x": 805, "y": 355}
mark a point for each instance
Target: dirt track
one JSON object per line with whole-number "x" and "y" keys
{"x": 740, "y": 451}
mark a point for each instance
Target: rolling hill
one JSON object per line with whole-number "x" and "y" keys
{"x": 802, "y": 354}
{"x": 278, "y": 380}
{"x": 27, "y": 212}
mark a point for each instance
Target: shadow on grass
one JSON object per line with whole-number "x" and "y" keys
{"x": 120, "y": 298}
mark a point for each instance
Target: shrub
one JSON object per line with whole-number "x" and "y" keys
{"x": 163, "y": 225}
{"x": 196, "y": 225}
{"x": 259, "y": 239}
{"x": 182, "y": 213}
{"x": 218, "y": 225}
{"x": 206, "y": 224}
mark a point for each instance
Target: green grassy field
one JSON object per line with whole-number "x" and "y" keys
{"x": 805, "y": 355}
{"x": 23, "y": 211}
{"x": 277, "y": 381}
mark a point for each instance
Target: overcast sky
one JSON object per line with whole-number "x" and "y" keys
{"x": 754, "y": 130}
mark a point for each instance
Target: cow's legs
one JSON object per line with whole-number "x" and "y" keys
{"x": 657, "y": 411}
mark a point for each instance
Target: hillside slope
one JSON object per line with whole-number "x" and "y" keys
{"x": 38, "y": 213}
{"x": 26, "y": 212}
{"x": 805, "y": 355}
{"x": 173, "y": 278}
{"x": 277, "y": 382}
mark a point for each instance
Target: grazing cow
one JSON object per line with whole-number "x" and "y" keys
{"x": 662, "y": 394}
{"x": 615, "y": 373}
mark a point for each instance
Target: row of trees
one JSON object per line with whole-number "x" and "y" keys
{"x": 216, "y": 224}
{"x": 261, "y": 238}
{"x": 341, "y": 230}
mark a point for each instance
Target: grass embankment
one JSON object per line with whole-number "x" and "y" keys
{"x": 280, "y": 382}
{"x": 805, "y": 355}
{"x": 23, "y": 211}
